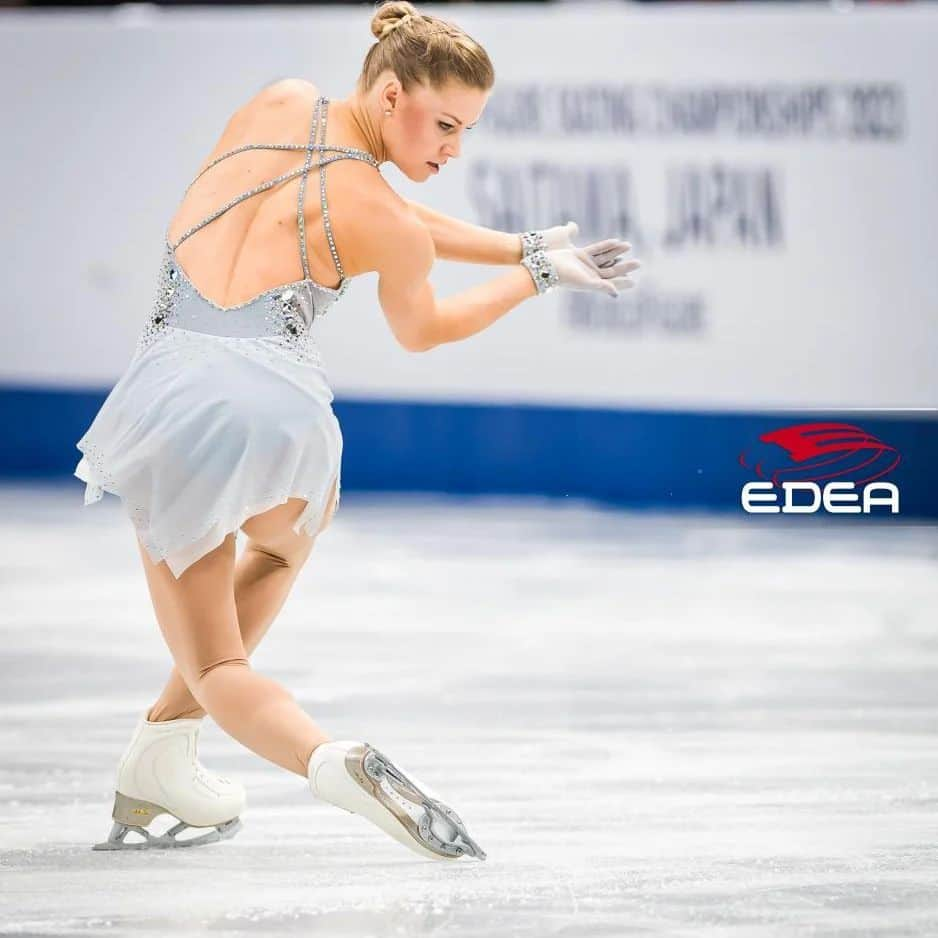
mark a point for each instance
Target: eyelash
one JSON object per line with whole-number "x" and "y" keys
{"x": 448, "y": 126}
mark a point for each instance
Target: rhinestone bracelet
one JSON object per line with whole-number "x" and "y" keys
{"x": 542, "y": 271}
{"x": 532, "y": 241}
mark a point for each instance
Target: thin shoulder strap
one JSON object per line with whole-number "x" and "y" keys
{"x": 245, "y": 195}
{"x": 301, "y": 200}
{"x": 327, "y": 224}
{"x": 341, "y": 154}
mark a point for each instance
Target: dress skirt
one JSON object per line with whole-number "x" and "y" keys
{"x": 203, "y": 431}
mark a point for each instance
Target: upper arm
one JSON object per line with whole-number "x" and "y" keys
{"x": 402, "y": 253}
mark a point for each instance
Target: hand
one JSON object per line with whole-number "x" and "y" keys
{"x": 602, "y": 256}
{"x": 577, "y": 269}
{"x": 606, "y": 253}
{"x": 561, "y": 236}
{"x": 549, "y": 239}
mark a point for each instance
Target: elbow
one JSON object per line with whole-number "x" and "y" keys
{"x": 416, "y": 344}
{"x": 418, "y": 340}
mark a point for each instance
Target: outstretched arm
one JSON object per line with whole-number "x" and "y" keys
{"x": 401, "y": 250}
{"x": 402, "y": 253}
{"x": 457, "y": 240}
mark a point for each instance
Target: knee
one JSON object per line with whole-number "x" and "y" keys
{"x": 211, "y": 684}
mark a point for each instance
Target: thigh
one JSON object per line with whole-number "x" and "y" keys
{"x": 332, "y": 502}
{"x": 273, "y": 529}
{"x": 196, "y": 612}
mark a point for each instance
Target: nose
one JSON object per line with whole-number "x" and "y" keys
{"x": 453, "y": 147}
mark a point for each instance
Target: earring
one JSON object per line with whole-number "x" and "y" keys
{"x": 388, "y": 112}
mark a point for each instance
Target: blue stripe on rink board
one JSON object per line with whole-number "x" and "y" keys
{"x": 639, "y": 458}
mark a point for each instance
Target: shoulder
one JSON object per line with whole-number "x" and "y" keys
{"x": 286, "y": 89}
{"x": 388, "y": 212}
{"x": 285, "y": 93}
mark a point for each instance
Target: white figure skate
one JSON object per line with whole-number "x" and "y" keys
{"x": 160, "y": 773}
{"x": 358, "y": 778}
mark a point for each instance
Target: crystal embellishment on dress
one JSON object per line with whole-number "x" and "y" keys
{"x": 287, "y": 321}
{"x": 291, "y": 316}
{"x": 167, "y": 291}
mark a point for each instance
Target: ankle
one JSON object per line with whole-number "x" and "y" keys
{"x": 157, "y": 714}
{"x": 308, "y": 754}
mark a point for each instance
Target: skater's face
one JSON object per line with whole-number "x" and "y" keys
{"x": 427, "y": 126}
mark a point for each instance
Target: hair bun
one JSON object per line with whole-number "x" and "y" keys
{"x": 430, "y": 52}
{"x": 391, "y": 15}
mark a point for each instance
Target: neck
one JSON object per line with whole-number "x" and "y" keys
{"x": 363, "y": 123}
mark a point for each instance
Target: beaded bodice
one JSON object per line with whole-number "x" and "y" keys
{"x": 288, "y": 309}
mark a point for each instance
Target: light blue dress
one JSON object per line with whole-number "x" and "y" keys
{"x": 223, "y": 412}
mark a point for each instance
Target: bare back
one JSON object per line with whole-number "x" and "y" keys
{"x": 252, "y": 247}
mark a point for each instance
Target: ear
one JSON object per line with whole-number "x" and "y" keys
{"x": 390, "y": 93}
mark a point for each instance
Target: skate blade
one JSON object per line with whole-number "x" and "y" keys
{"x": 368, "y": 766}
{"x": 167, "y": 841}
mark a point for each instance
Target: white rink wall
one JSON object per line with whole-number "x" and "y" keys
{"x": 774, "y": 166}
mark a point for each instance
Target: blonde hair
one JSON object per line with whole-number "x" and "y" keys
{"x": 423, "y": 49}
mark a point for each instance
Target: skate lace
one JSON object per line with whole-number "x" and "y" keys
{"x": 209, "y": 778}
{"x": 201, "y": 773}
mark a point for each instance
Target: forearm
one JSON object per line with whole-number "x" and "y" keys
{"x": 457, "y": 240}
{"x": 473, "y": 310}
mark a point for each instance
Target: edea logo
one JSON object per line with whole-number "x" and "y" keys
{"x": 810, "y": 466}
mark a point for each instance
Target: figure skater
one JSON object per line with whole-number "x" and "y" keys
{"x": 223, "y": 421}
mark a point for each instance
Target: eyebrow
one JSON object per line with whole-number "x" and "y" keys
{"x": 455, "y": 118}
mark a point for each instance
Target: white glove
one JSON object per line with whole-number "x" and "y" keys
{"x": 560, "y": 262}
{"x": 561, "y": 236}
{"x": 548, "y": 239}
{"x": 575, "y": 269}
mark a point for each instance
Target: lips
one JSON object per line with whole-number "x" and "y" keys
{"x": 435, "y": 166}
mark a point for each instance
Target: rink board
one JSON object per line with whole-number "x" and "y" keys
{"x": 631, "y": 457}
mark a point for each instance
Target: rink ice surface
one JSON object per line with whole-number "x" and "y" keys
{"x": 654, "y": 725}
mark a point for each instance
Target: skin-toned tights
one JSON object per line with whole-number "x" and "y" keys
{"x": 214, "y": 615}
